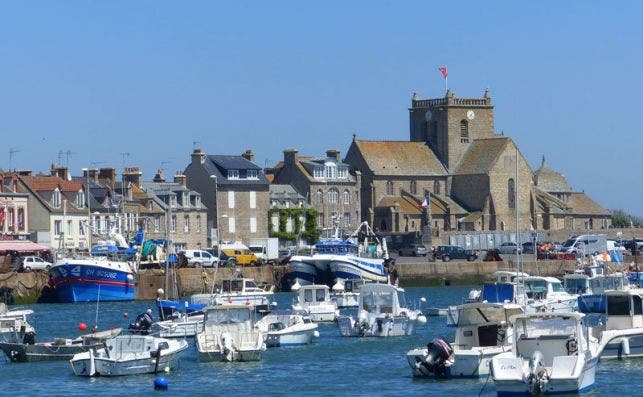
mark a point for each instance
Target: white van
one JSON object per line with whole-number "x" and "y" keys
{"x": 586, "y": 244}
{"x": 198, "y": 258}
{"x": 613, "y": 245}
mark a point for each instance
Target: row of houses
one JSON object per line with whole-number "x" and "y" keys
{"x": 468, "y": 176}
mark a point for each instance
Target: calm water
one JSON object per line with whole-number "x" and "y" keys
{"x": 331, "y": 366}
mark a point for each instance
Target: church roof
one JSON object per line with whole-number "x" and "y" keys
{"x": 400, "y": 158}
{"x": 553, "y": 203}
{"x": 481, "y": 156}
{"x": 549, "y": 180}
{"x": 582, "y": 204}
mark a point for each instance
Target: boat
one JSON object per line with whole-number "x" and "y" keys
{"x": 382, "y": 312}
{"x": 287, "y": 328}
{"x": 180, "y": 326}
{"x": 58, "y": 349}
{"x": 590, "y": 283}
{"x": 621, "y": 335}
{"x": 237, "y": 291}
{"x": 505, "y": 288}
{"x": 229, "y": 334}
{"x": 482, "y": 332}
{"x": 129, "y": 355}
{"x": 347, "y": 294}
{"x": 547, "y": 294}
{"x": 315, "y": 299}
{"x": 551, "y": 353}
{"x": 14, "y": 327}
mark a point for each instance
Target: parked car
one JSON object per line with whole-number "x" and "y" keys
{"x": 448, "y": 252}
{"x": 528, "y": 247}
{"x": 629, "y": 245}
{"x": 509, "y": 247}
{"x": 198, "y": 258}
{"x": 412, "y": 250}
{"x": 35, "y": 263}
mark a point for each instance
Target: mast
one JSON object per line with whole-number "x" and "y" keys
{"x": 519, "y": 263}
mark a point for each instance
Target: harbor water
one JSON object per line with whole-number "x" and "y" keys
{"x": 331, "y": 366}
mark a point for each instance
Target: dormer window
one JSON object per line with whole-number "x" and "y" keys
{"x": 56, "y": 198}
{"x": 186, "y": 201}
{"x": 342, "y": 172}
{"x": 80, "y": 199}
{"x": 197, "y": 201}
{"x": 252, "y": 174}
{"x": 233, "y": 174}
{"x": 330, "y": 170}
{"x": 318, "y": 172}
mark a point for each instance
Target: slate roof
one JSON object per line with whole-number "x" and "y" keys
{"x": 219, "y": 165}
{"x": 549, "y": 180}
{"x": 481, "y": 156}
{"x": 582, "y": 204}
{"x": 412, "y": 204}
{"x": 556, "y": 206}
{"x": 282, "y": 193}
{"x": 400, "y": 158}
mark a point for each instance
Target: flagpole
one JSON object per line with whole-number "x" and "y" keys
{"x": 446, "y": 84}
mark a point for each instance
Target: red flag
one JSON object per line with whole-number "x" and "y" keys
{"x": 444, "y": 71}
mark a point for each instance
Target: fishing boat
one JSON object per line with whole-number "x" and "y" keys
{"x": 129, "y": 355}
{"x": 590, "y": 283}
{"x": 482, "y": 332}
{"x": 315, "y": 299}
{"x": 621, "y": 335}
{"x": 58, "y": 349}
{"x": 287, "y": 328}
{"x": 229, "y": 334}
{"x": 551, "y": 353}
{"x": 347, "y": 294}
{"x": 382, "y": 312}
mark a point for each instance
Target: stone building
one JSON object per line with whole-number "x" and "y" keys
{"x": 327, "y": 183}
{"x": 235, "y": 191}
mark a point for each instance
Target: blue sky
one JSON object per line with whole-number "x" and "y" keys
{"x": 149, "y": 78}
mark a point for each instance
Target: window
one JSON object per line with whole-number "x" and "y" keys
{"x": 56, "y": 198}
{"x": 58, "y": 228}
{"x": 414, "y": 187}
{"x": 252, "y": 174}
{"x": 275, "y": 223}
{"x": 69, "y": 228}
{"x": 320, "y": 220}
{"x": 333, "y": 196}
{"x": 464, "y": 131}
{"x": 347, "y": 219}
{"x": 436, "y": 187}
{"x": 320, "y": 197}
{"x": 318, "y": 172}
{"x": 21, "y": 218}
{"x": 389, "y": 188}
{"x": 81, "y": 228}
{"x": 253, "y": 225}
{"x": 230, "y": 199}
{"x": 253, "y": 199}
{"x": 511, "y": 193}
{"x": 197, "y": 201}
{"x": 347, "y": 197}
{"x": 231, "y": 225}
{"x": 330, "y": 170}
{"x": 80, "y": 199}
{"x": 342, "y": 172}
{"x": 289, "y": 227}
{"x": 233, "y": 174}
{"x": 186, "y": 223}
{"x": 173, "y": 224}
{"x": 198, "y": 223}
{"x": 157, "y": 223}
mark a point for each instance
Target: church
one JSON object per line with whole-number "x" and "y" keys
{"x": 465, "y": 175}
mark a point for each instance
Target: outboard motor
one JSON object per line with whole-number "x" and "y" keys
{"x": 537, "y": 373}
{"x": 438, "y": 352}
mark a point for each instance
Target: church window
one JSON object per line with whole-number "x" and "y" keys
{"x": 464, "y": 131}
{"x": 414, "y": 187}
{"x": 389, "y": 188}
{"x": 511, "y": 193}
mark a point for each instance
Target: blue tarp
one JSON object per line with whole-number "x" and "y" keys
{"x": 498, "y": 292}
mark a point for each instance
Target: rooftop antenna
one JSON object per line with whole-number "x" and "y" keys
{"x": 195, "y": 144}
{"x": 124, "y": 156}
{"x": 60, "y": 158}
{"x": 12, "y": 152}
{"x": 69, "y": 153}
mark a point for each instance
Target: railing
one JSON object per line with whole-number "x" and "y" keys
{"x": 426, "y": 103}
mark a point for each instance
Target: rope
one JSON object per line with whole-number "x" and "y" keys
{"x": 485, "y": 382}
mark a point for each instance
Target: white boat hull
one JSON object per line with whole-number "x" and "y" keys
{"x": 382, "y": 326}
{"x": 290, "y": 338}
{"x": 464, "y": 363}
{"x": 627, "y": 346}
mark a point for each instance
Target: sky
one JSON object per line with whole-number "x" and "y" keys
{"x": 143, "y": 83}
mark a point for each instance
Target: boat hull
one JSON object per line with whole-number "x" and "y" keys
{"x": 20, "y": 352}
{"x": 237, "y": 355}
{"x": 345, "y": 268}
{"x": 290, "y": 338}
{"x": 624, "y": 347}
{"x": 383, "y": 326}
{"x": 89, "y": 281}
{"x": 464, "y": 364}
{"x": 302, "y": 272}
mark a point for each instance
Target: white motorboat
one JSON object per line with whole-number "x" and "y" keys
{"x": 547, "y": 294}
{"x": 622, "y": 334}
{"x": 287, "y": 328}
{"x": 382, "y": 312}
{"x": 482, "y": 331}
{"x": 237, "y": 291}
{"x": 229, "y": 334}
{"x": 315, "y": 299}
{"x": 551, "y": 353}
{"x": 14, "y": 327}
{"x": 181, "y": 326}
{"x": 129, "y": 355}
{"x": 346, "y": 294}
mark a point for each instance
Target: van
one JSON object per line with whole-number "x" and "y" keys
{"x": 198, "y": 258}
{"x": 239, "y": 256}
{"x": 585, "y": 244}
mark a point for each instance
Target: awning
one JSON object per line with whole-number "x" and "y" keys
{"x": 21, "y": 246}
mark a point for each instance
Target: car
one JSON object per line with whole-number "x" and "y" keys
{"x": 509, "y": 247}
{"x": 412, "y": 250}
{"x": 200, "y": 258}
{"x": 35, "y": 263}
{"x": 448, "y": 252}
{"x": 528, "y": 247}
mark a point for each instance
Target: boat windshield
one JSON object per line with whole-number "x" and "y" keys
{"x": 378, "y": 302}
{"x": 549, "y": 326}
{"x": 576, "y": 285}
{"x": 320, "y": 295}
{"x": 401, "y": 298}
{"x": 232, "y": 316}
{"x": 232, "y": 285}
{"x": 557, "y": 287}
{"x": 536, "y": 289}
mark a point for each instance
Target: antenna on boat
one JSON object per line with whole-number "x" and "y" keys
{"x": 95, "y": 327}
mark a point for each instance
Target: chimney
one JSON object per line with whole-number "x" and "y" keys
{"x": 180, "y": 178}
{"x": 132, "y": 175}
{"x": 248, "y": 155}
{"x": 159, "y": 177}
{"x": 107, "y": 173}
{"x": 333, "y": 154}
{"x": 24, "y": 172}
{"x": 290, "y": 157}
{"x": 61, "y": 172}
{"x": 93, "y": 173}
{"x": 198, "y": 157}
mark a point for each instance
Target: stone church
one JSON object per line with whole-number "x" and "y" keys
{"x": 473, "y": 178}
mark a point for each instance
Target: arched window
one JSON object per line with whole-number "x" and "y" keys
{"x": 414, "y": 187}
{"x": 389, "y": 188}
{"x": 347, "y": 197}
{"x": 333, "y": 196}
{"x": 511, "y": 193}
{"x": 320, "y": 197}
{"x": 436, "y": 187}
{"x": 464, "y": 131}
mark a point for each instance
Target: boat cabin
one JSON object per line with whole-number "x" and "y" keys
{"x": 624, "y": 309}
{"x": 354, "y": 285}
{"x": 239, "y": 285}
{"x": 314, "y": 294}
{"x": 481, "y": 324}
{"x": 382, "y": 299}
{"x": 543, "y": 287}
{"x": 504, "y": 276}
{"x": 228, "y": 314}
{"x": 337, "y": 248}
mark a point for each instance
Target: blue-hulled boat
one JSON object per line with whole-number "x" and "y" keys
{"x": 590, "y": 284}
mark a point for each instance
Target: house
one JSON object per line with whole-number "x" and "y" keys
{"x": 236, "y": 193}
{"x": 291, "y": 218}
{"x": 14, "y": 209}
